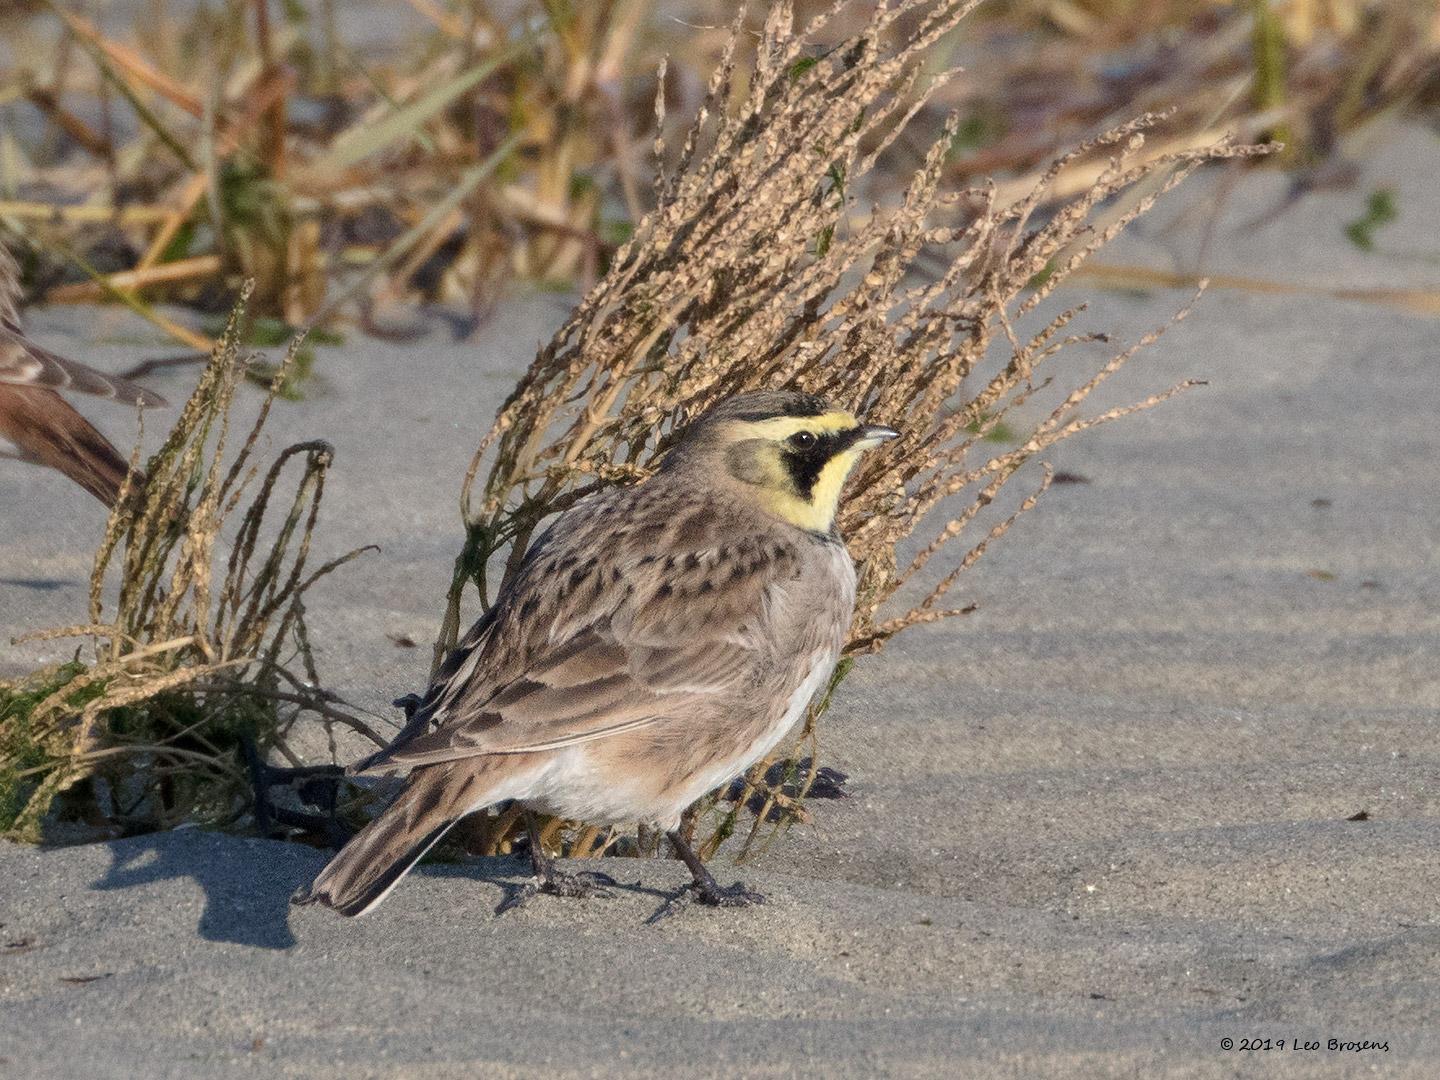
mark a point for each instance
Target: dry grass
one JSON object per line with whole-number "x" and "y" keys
{"x": 247, "y": 140}
{"x": 1304, "y": 72}
{"x": 250, "y": 141}
{"x": 762, "y": 266}
{"x": 812, "y": 228}
{"x": 197, "y": 652}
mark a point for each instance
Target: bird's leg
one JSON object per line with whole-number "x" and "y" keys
{"x": 704, "y": 888}
{"x": 557, "y": 882}
{"x": 584, "y": 886}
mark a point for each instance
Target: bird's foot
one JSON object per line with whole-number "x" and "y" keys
{"x": 581, "y": 886}
{"x": 737, "y": 895}
{"x": 710, "y": 894}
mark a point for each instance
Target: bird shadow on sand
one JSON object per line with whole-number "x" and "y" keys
{"x": 247, "y": 882}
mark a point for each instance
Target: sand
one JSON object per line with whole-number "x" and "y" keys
{"x": 1095, "y": 829}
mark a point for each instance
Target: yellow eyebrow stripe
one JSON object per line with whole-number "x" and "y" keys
{"x": 782, "y": 427}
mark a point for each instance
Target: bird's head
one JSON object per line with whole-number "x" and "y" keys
{"x": 790, "y": 451}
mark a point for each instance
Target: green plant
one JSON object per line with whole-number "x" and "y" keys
{"x": 1380, "y": 210}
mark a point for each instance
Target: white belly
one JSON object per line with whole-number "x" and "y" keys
{"x": 710, "y": 779}
{"x": 570, "y": 786}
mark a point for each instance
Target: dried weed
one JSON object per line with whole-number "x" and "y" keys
{"x": 764, "y": 265}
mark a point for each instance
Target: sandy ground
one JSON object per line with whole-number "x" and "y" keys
{"x": 1096, "y": 829}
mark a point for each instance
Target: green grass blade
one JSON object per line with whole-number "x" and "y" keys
{"x": 359, "y": 143}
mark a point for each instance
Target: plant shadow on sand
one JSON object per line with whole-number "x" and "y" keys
{"x": 247, "y": 882}
{"x": 37, "y": 584}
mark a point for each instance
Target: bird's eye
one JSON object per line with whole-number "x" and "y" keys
{"x": 802, "y": 440}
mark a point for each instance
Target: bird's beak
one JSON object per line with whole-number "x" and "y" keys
{"x": 872, "y": 435}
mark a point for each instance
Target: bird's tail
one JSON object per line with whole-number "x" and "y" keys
{"x": 47, "y": 431}
{"x": 380, "y": 854}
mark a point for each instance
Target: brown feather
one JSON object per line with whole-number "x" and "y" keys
{"x": 42, "y": 426}
{"x": 45, "y": 430}
{"x": 381, "y": 853}
{"x": 564, "y": 662}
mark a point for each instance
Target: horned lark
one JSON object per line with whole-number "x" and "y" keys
{"x": 657, "y": 640}
{"x": 37, "y": 425}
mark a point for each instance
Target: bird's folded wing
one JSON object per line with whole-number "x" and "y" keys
{"x": 590, "y": 688}
{"x": 597, "y": 636}
{"x": 42, "y": 428}
{"x": 419, "y": 714}
{"x": 24, "y": 363}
